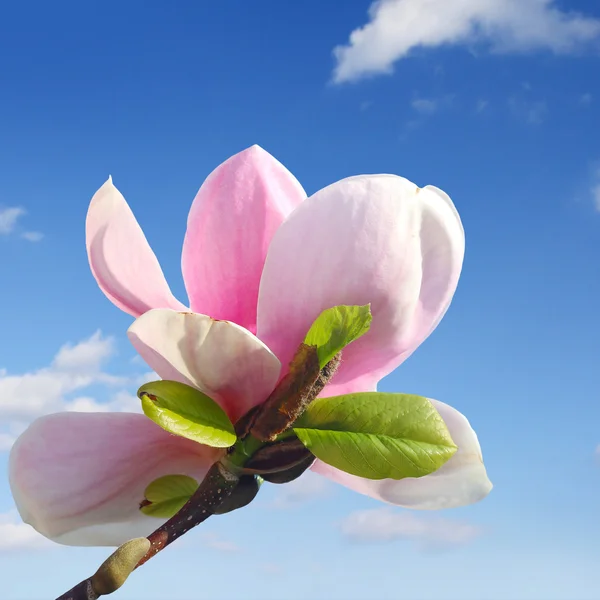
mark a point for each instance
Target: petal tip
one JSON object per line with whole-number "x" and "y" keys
{"x": 254, "y": 153}
{"x": 256, "y": 148}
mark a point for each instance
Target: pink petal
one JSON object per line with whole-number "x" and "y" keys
{"x": 222, "y": 359}
{"x": 232, "y": 220}
{"x": 121, "y": 260}
{"x": 78, "y": 478}
{"x": 462, "y": 480}
{"x": 370, "y": 239}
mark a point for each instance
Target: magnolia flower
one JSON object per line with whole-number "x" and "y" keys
{"x": 260, "y": 262}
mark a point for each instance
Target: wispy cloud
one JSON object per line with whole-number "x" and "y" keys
{"x": 146, "y": 377}
{"x": 532, "y": 112}
{"x": 386, "y": 525}
{"x": 425, "y": 106}
{"x": 481, "y": 105}
{"x": 306, "y": 488}
{"x": 9, "y": 221}
{"x": 431, "y": 105}
{"x": 85, "y": 357}
{"x": 15, "y": 535}
{"x": 213, "y": 541}
{"x": 121, "y": 401}
{"x": 32, "y": 236}
{"x": 6, "y": 441}
{"x": 58, "y": 387}
{"x": 586, "y": 99}
{"x": 271, "y": 569}
{"x": 397, "y": 27}
{"x": 9, "y": 218}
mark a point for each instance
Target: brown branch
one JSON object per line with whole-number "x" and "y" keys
{"x": 303, "y": 383}
{"x": 215, "y": 488}
{"x": 291, "y": 396}
{"x": 276, "y": 415}
{"x": 112, "y": 574}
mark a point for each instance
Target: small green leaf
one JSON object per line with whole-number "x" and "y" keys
{"x": 337, "y": 327}
{"x": 377, "y": 436}
{"x": 187, "y": 412}
{"x": 166, "y": 496}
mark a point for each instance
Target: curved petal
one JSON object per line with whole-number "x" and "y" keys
{"x": 221, "y": 359}
{"x": 121, "y": 260}
{"x": 78, "y": 478}
{"x": 371, "y": 239}
{"x": 230, "y": 226}
{"x": 462, "y": 480}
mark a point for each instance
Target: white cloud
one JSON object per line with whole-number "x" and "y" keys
{"x": 86, "y": 356}
{"x": 75, "y": 367}
{"x": 8, "y": 219}
{"x": 271, "y": 568}
{"x": 386, "y": 525}
{"x": 136, "y": 359}
{"x": 429, "y": 106}
{"x": 304, "y": 489}
{"x": 213, "y": 541}
{"x": 481, "y": 106}
{"x": 533, "y": 112}
{"x": 120, "y": 402}
{"x": 147, "y": 377}
{"x": 32, "y": 236}
{"x": 425, "y": 106}
{"x": 397, "y": 27}
{"x": 124, "y": 401}
{"x": 6, "y": 441}
{"x": 39, "y": 392}
{"x": 15, "y": 535}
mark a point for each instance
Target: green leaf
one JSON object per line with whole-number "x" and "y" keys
{"x": 337, "y": 327}
{"x": 166, "y": 496}
{"x": 377, "y": 436}
{"x": 187, "y": 412}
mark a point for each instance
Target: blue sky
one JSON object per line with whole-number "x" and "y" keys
{"x": 497, "y": 103}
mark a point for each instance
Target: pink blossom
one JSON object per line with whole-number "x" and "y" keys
{"x": 260, "y": 262}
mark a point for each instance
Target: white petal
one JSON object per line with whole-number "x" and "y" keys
{"x": 78, "y": 478}
{"x": 376, "y": 240}
{"x": 462, "y": 480}
{"x": 120, "y": 257}
{"x": 220, "y": 358}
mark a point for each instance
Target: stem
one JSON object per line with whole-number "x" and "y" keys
{"x": 82, "y": 591}
{"x": 112, "y": 574}
{"x": 291, "y": 396}
{"x": 265, "y": 423}
{"x": 303, "y": 383}
{"x": 214, "y": 489}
